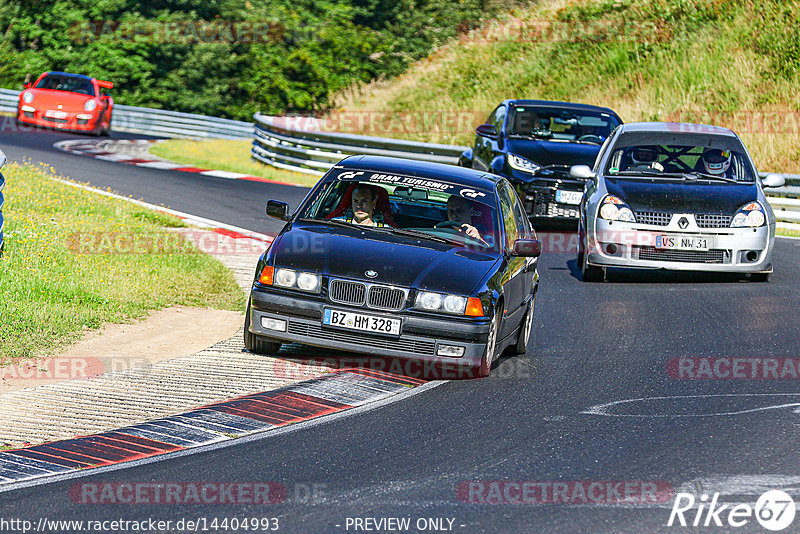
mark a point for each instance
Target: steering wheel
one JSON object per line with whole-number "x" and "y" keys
{"x": 591, "y": 137}
{"x": 448, "y": 224}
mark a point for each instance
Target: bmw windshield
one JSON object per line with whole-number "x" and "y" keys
{"x": 411, "y": 206}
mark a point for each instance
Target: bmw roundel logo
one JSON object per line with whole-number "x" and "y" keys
{"x": 371, "y": 274}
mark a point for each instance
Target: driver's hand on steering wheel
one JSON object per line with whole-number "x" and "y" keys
{"x": 471, "y": 231}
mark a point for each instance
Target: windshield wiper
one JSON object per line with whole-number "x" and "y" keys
{"x": 694, "y": 175}
{"x": 425, "y": 235}
{"x": 654, "y": 174}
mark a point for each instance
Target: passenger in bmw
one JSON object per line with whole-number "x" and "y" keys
{"x": 362, "y": 207}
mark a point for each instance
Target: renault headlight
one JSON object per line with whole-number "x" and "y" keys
{"x": 614, "y": 209}
{"x": 292, "y": 279}
{"x": 750, "y": 215}
{"x": 522, "y": 164}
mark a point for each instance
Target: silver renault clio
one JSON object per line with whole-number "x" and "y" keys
{"x": 675, "y": 196}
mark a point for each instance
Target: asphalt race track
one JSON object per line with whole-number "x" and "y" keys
{"x": 552, "y": 415}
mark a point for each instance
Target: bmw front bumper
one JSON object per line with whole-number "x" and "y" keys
{"x": 420, "y": 337}
{"x": 640, "y": 246}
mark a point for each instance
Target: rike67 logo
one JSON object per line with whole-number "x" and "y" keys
{"x": 774, "y": 510}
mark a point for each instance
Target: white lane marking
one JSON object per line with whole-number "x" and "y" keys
{"x": 255, "y": 436}
{"x": 225, "y": 174}
{"x": 160, "y": 165}
{"x": 603, "y": 409}
{"x": 194, "y": 219}
{"x": 116, "y": 157}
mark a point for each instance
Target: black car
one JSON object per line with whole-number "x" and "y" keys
{"x": 400, "y": 259}
{"x": 534, "y": 143}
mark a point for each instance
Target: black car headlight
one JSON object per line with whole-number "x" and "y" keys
{"x": 751, "y": 215}
{"x": 290, "y": 279}
{"x": 453, "y": 304}
{"x": 522, "y": 164}
{"x": 615, "y": 209}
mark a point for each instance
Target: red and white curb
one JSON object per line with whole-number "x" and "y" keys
{"x": 135, "y": 152}
{"x": 208, "y": 425}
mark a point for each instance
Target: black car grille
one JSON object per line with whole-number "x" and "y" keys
{"x": 362, "y": 340}
{"x": 710, "y": 220}
{"x": 654, "y": 218}
{"x": 356, "y": 294}
{"x": 687, "y": 256}
{"x": 53, "y": 119}
{"x": 347, "y": 292}
{"x": 386, "y": 298}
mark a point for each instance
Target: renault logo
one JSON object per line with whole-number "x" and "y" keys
{"x": 683, "y": 222}
{"x": 371, "y": 274}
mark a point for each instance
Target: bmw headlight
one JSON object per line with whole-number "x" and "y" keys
{"x": 614, "y": 209}
{"x": 750, "y": 215}
{"x": 27, "y": 97}
{"x": 90, "y": 105}
{"x": 427, "y": 300}
{"x": 292, "y": 279}
{"x": 522, "y": 164}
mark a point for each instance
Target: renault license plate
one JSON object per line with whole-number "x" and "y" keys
{"x": 681, "y": 242}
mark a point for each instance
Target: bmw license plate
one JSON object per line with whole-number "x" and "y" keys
{"x": 360, "y": 321}
{"x": 569, "y": 197}
{"x": 680, "y": 242}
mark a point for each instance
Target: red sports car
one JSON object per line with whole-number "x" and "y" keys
{"x": 67, "y": 101}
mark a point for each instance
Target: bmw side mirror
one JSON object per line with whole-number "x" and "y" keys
{"x": 527, "y": 247}
{"x": 773, "y": 180}
{"x": 487, "y": 130}
{"x": 581, "y": 172}
{"x": 278, "y": 209}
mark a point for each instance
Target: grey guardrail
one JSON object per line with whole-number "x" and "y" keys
{"x": 281, "y": 142}
{"x": 158, "y": 121}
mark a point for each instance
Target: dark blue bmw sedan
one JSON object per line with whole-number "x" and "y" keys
{"x": 400, "y": 259}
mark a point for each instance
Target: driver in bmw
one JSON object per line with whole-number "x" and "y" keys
{"x": 459, "y": 210}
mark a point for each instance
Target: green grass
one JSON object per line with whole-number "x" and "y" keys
{"x": 226, "y": 155}
{"x": 787, "y": 232}
{"x": 729, "y": 62}
{"x": 63, "y": 273}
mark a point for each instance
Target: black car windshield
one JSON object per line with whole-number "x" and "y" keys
{"x": 710, "y": 162}
{"x": 60, "y": 82}
{"x": 559, "y": 124}
{"x": 427, "y": 209}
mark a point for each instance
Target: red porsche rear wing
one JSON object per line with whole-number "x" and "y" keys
{"x": 105, "y": 85}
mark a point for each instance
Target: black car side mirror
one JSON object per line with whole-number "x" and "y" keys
{"x": 487, "y": 130}
{"x": 278, "y": 210}
{"x": 527, "y": 247}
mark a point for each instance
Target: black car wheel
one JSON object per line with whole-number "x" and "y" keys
{"x": 491, "y": 347}
{"x": 525, "y": 330}
{"x": 257, "y": 344}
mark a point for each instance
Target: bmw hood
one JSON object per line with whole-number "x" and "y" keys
{"x": 553, "y": 152}
{"x": 679, "y": 197}
{"x": 396, "y": 260}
